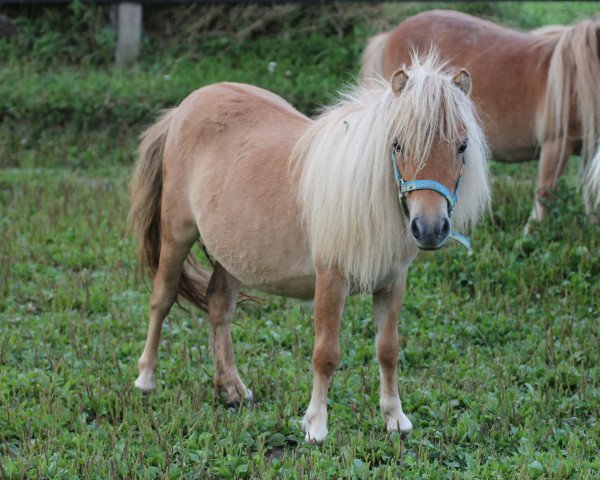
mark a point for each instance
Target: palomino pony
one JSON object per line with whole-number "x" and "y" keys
{"x": 533, "y": 89}
{"x": 305, "y": 209}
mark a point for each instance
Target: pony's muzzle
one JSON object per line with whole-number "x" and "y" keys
{"x": 430, "y": 233}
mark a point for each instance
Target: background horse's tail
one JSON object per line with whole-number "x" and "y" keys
{"x": 144, "y": 213}
{"x": 573, "y": 74}
{"x": 372, "y": 69}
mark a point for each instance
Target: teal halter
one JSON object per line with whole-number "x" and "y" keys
{"x": 405, "y": 187}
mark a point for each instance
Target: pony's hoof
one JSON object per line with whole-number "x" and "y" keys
{"x": 315, "y": 429}
{"x": 247, "y": 400}
{"x": 399, "y": 424}
{"x": 234, "y": 393}
{"x": 528, "y": 227}
{"x": 146, "y": 381}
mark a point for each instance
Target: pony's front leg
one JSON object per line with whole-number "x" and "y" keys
{"x": 386, "y": 305}
{"x": 331, "y": 291}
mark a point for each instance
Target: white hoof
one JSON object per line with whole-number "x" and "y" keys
{"x": 146, "y": 381}
{"x": 399, "y": 423}
{"x": 315, "y": 427}
{"x": 530, "y": 227}
{"x": 536, "y": 216}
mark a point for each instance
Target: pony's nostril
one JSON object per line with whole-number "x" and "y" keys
{"x": 414, "y": 228}
{"x": 445, "y": 228}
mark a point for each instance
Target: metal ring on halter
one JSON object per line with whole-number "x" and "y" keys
{"x": 405, "y": 187}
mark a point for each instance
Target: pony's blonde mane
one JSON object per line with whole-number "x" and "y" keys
{"x": 574, "y": 72}
{"x": 347, "y": 186}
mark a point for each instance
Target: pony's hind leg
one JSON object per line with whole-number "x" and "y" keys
{"x": 173, "y": 252}
{"x": 553, "y": 159}
{"x": 386, "y": 305}
{"x": 222, "y": 295}
{"x": 589, "y": 202}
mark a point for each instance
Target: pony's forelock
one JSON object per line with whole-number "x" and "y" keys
{"x": 347, "y": 186}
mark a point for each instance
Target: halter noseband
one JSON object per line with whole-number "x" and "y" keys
{"x": 405, "y": 187}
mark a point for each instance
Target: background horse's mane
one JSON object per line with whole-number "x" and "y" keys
{"x": 347, "y": 185}
{"x": 574, "y": 69}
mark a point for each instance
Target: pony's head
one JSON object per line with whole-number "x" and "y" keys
{"x": 437, "y": 139}
{"x": 426, "y": 120}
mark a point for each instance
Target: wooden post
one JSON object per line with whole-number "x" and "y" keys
{"x": 129, "y": 32}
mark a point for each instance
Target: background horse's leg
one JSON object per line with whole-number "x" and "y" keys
{"x": 173, "y": 252}
{"x": 591, "y": 210}
{"x": 386, "y": 306}
{"x": 331, "y": 291}
{"x": 221, "y": 296}
{"x": 553, "y": 160}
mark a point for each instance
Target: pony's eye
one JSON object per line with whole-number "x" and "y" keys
{"x": 463, "y": 147}
{"x": 398, "y": 147}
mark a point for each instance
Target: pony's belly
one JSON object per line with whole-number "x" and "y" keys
{"x": 512, "y": 141}
{"x": 283, "y": 267}
{"x": 514, "y": 155}
{"x": 296, "y": 277}
{"x": 301, "y": 287}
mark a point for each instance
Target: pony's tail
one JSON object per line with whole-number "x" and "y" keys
{"x": 144, "y": 213}
{"x": 372, "y": 69}
{"x": 591, "y": 182}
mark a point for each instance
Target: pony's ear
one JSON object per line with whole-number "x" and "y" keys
{"x": 463, "y": 81}
{"x": 398, "y": 81}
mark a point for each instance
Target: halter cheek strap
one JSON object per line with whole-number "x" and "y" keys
{"x": 405, "y": 187}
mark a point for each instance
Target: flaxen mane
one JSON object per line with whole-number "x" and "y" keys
{"x": 347, "y": 185}
{"x": 574, "y": 69}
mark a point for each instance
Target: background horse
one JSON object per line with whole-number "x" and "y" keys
{"x": 534, "y": 89}
{"x": 304, "y": 209}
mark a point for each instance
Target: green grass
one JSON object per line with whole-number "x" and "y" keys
{"x": 500, "y": 351}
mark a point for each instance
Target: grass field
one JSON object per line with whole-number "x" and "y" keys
{"x": 500, "y": 351}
